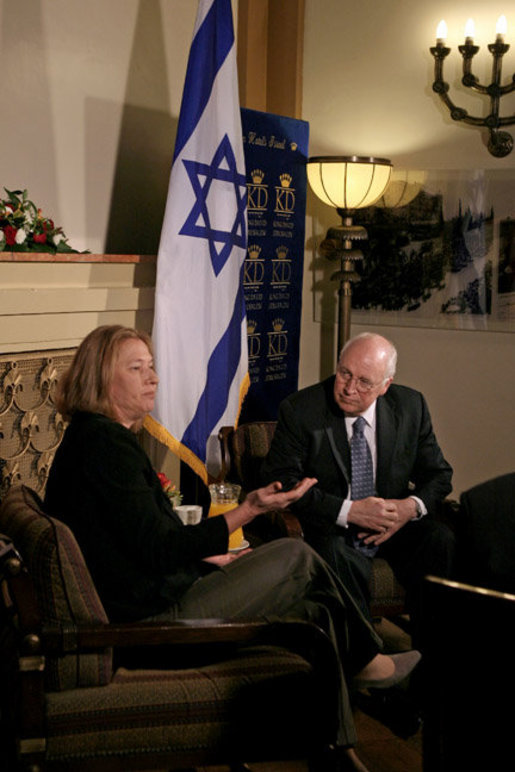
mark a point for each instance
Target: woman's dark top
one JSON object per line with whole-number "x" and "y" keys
{"x": 140, "y": 555}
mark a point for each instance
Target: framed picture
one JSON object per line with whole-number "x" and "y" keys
{"x": 445, "y": 259}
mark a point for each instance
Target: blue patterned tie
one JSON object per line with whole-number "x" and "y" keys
{"x": 362, "y": 471}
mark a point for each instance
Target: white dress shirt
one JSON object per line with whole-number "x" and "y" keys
{"x": 370, "y": 435}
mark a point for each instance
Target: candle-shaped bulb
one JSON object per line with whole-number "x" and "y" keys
{"x": 469, "y": 31}
{"x": 501, "y": 28}
{"x": 441, "y": 32}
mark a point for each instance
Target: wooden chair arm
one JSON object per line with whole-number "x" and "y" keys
{"x": 292, "y": 634}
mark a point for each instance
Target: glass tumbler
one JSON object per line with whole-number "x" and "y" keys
{"x": 224, "y": 496}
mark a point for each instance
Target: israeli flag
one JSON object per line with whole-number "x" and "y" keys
{"x": 200, "y": 329}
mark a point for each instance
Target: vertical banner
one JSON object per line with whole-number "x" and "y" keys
{"x": 200, "y": 330}
{"x": 276, "y": 150}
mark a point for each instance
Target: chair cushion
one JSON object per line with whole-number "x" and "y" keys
{"x": 216, "y": 707}
{"x": 64, "y": 588}
{"x": 386, "y": 593}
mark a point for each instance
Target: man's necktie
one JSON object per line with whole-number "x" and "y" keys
{"x": 362, "y": 473}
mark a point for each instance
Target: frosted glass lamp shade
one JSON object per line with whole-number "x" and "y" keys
{"x": 351, "y": 182}
{"x": 404, "y": 186}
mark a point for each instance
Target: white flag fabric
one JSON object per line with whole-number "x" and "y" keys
{"x": 200, "y": 330}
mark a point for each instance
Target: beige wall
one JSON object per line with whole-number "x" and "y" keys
{"x": 91, "y": 95}
{"x": 367, "y": 91}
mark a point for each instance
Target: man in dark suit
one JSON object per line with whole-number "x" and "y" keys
{"x": 385, "y": 507}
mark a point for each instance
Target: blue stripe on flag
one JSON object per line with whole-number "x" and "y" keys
{"x": 222, "y": 367}
{"x": 210, "y": 46}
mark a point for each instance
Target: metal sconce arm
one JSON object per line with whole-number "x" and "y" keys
{"x": 500, "y": 143}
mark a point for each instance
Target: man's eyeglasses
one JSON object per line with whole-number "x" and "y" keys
{"x": 362, "y": 384}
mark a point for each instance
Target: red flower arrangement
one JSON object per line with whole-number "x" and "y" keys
{"x": 24, "y": 228}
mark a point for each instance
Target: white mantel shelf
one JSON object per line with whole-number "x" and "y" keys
{"x": 72, "y": 257}
{"x": 51, "y": 301}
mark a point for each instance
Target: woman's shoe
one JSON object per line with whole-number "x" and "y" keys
{"x": 404, "y": 663}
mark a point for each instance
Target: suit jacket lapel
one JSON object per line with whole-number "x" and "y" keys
{"x": 337, "y": 436}
{"x": 386, "y": 438}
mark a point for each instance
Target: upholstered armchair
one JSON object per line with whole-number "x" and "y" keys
{"x": 243, "y": 452}
{"x": 197, "y": 692}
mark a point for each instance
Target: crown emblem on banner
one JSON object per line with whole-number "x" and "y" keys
{"x": 278, "y": 324}
{"x": 257, "y": 176}
{"x": 254, "y": 251}
{"x": 251, "y": 326}
{"x": 293, "y": 146}
{"x": 285, "y": 180}
{"x": 281, "y": 252}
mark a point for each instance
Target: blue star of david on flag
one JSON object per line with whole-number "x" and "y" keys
{"x": 202, "y": 221}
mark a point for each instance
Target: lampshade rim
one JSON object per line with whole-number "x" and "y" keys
{"x": 349, "y": 159}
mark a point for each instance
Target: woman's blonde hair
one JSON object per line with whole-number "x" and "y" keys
{"x": 86, "y": 385}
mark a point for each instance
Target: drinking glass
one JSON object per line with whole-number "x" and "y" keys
{"x": 224, "y": 496}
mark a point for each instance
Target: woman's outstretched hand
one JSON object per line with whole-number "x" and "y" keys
{"x": 273, "y": 496}
{"x": 265, "y": 500}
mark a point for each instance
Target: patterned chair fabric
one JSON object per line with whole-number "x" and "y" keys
{"x": 264, "y": 700}
{"x": 215, "y": 705}
{"x": 64, "y": 589}
{"x": 250, "y": 445}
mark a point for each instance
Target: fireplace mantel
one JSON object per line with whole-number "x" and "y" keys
{"x": 72, "y": 257}
{"x": 51, "y": 301}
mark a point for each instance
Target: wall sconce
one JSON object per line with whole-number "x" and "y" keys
{"x": 500, "y": 143}
{"x": 347, "y": 183}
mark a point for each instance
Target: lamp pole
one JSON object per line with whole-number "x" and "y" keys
{"x": 338, "y": 245}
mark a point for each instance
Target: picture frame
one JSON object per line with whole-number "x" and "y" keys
{"x": 445, "y": 259}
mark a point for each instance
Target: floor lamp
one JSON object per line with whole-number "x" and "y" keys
{"x": 346, "y": 183}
